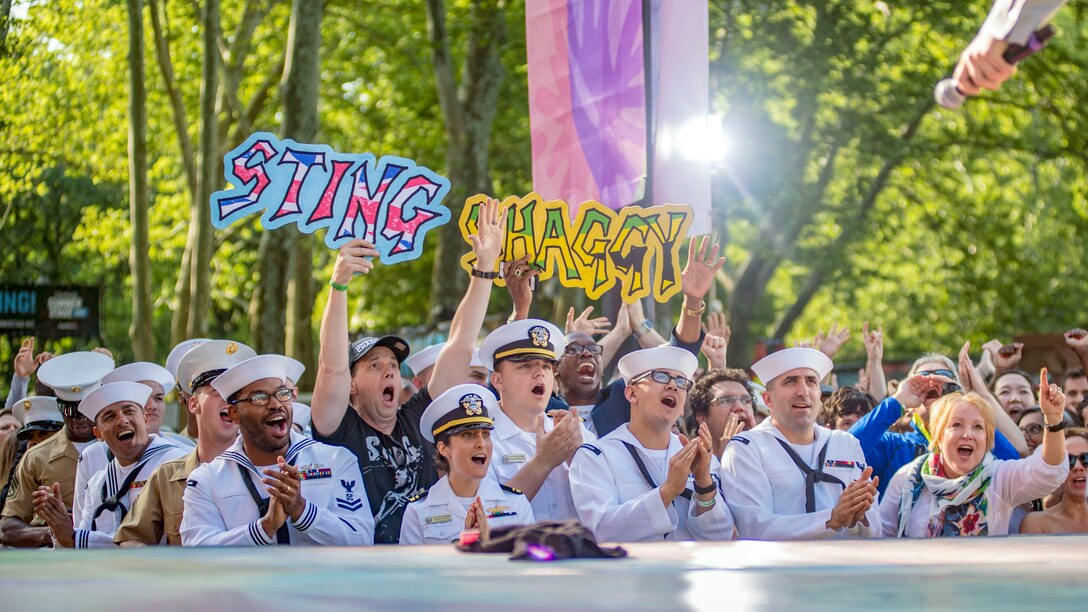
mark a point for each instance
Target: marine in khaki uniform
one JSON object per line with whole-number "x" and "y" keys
{"x": 72, "y": 376}
{"x": 157, "y": 512}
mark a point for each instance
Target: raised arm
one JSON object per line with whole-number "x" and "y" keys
{"x": 971, "y": 380}
{"x": 874, "y": 363}
{"x": 696, "y": 280}
{"x": 333, "y": 386}
{"x": 452, "y": 366}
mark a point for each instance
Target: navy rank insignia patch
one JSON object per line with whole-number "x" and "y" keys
{"x": 349, "y": 502}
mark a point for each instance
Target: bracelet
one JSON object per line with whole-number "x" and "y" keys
{"x": 706, "y": 504}
{"x": 337, "y": 286}
{"x": 1054, "y": 428}
{"x": 704, "y": 490}
{"x": 484, "y": 275}
{"x": 694, "y": 313}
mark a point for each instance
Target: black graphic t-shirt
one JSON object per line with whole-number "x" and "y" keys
{"x": 395, "y": 467}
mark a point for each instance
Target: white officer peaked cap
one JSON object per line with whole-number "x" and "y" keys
{"x": 253, "y": 369}
{"x": 418, "y": 362}
{"x": 462, "y": 407}
{"x": 300, "y": 415}
{"x": 37, "y": 408}
{"x": 73, "y": 376}
{"x": 177, "y": 353}
{"x": 112, "y": 393}
{"x": 658, "y": 358}
{"x": 776, "y": 364}
{"x": 521, "y": 340}
{"x": 141, "y": 371}
{"x": 209, "y": 359}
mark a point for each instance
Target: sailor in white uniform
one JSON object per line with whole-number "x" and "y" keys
{"x": 790, "y": 479}
{"x": 642, "y": 482}
{"x": 274, "y": 485}
{"x": 421, "y": 363}
{"x": 117, "y": 410}
{"x": 458, "y": 423}
{"x": 522, "y": 357}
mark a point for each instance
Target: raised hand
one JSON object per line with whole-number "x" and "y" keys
{"x": 593, "y": 327}
{"x": 559, "y": 444}
{"x": 715, "y": 325}
{"x": 518, "y": 275}
{"x": 355, "y": 257}
{"x": 698, "y": 274}
{"x": 829, "y": 345}
{"x": 1008, "y": 356}
{"x": 734, "y": 424}
{"x": 874, "y": 342}
{"x": 914, "y": 390}
{"x": 24, "y": 359}
{"x": 490, "y": 232}
{"x": 1077, "y": 339}
{"x": 700, "y": 465}
{"x": 715, "y": 349}
{"x": 1051, "y": 399}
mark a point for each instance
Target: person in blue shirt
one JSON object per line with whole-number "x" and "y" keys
{"x": 888, "y": 451}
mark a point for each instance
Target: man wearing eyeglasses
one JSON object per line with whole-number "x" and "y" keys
{"x": 790, "y": 479}
{"x": 274, "y": 485}
{"x": 723, "y": 400}
{"x": 72, "y": 377}
{"x": 642, "y": 482}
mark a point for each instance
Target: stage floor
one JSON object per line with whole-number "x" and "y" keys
{"x": 988, "y": 574}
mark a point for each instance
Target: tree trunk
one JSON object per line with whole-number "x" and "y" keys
{"x": 469, "y": 116}
{"x": 200, "y": 230}
{"x": 5, "y": 25}
{"x": 300, "y": 122}
{"x": 140, "y": 332}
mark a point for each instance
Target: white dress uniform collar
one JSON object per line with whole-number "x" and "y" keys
{"x": 237, "y": 452}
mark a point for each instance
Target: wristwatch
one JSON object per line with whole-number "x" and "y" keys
{"x": 707, "y": 489}
{"x": 1055, "y": 428}
{"x": 646, "y": 327}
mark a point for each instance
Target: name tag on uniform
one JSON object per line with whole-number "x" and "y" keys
{"x": 435, "y": 520}
{"x": 837, "y": 463}
{"x": 513, "y": 458}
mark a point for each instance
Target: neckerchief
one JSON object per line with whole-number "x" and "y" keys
{"x": 961, "y": 503}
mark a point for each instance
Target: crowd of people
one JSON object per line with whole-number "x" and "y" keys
{"x": 525, "y": 428}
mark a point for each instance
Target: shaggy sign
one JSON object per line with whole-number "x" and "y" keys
{"x": 392, "y": 202}
{"x": 639, "y": 248}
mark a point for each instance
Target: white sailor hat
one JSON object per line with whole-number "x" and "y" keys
{"x": 209, "y": 359}
{"x": 253, "y": 369}
{"x": 658, "y": 358}
{"x": 37, "y": 408}
{"x": 176, "y": 355}
{"x": 420, "y": 361}
{"x": 112, "y": 393}
{"x": 73, "y": 375}
{"x": 776, "y": 364}
{"x": 300, "y": 415}
{"x": 460, "y": 408}
{"x": 521, "y": 340}
{"x": 142, "y": 371}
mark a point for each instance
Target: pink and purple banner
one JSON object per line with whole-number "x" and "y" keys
{"x": 587, "y": 101}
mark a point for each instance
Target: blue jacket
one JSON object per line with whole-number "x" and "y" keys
{"x": 888, "y": 451}
{"x": 612, "y": 408}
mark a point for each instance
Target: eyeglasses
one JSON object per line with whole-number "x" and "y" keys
{"x": 665, "y": 378}
{"x": 577, "y": 349}
{"x": 728, "y": 400}
{"x": 261, "y": 399}
{"x": 941, "y": 372}
{"x": 1032, "y": 429}
{"x": 1083, "y": 457}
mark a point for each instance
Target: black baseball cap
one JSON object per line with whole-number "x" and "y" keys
{"x": 362, "y": 346}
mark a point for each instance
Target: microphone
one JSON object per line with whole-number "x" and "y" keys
{"x": 948, "y": 95}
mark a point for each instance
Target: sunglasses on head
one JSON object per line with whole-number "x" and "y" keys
{"x": 941, "y": 372}
{"x": 1083, "y": 457}
{"x": 665, "y": 378}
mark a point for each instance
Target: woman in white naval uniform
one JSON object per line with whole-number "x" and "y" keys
{"x": 790, "y": 479}
{"x": 642, "y": 482}
{"x": 459, "y": 424}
